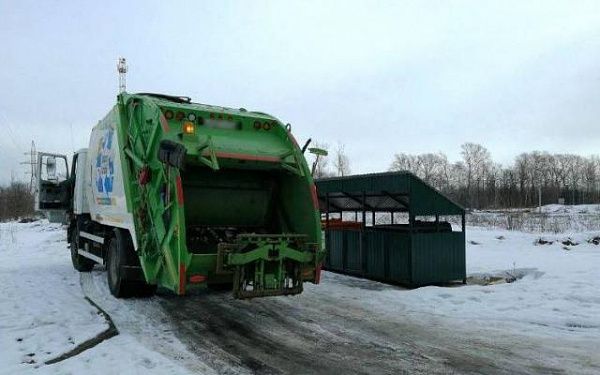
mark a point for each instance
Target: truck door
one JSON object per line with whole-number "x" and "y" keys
{"x": 52, "y": 183}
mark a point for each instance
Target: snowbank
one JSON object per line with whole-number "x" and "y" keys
{"x": 552, "y": 289}
{"x": 43, "y": 312}
{"x": 554, "y": 218}
{"x": 555, "y": 293}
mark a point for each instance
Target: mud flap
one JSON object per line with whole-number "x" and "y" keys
{"x": 267, "y": 264}
{"x": 133, "y": 273}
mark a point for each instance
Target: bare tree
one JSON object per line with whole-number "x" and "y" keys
{"x": 477, "y": 182}
{"x": 405, "y": 162}
{"x": 476, "y": 159}
{"x": 341, "y": 162}
{"x": 589, "y": 175}
{"x": 522, "y": 168}
{"x": 574, "y": 167}
{"x": 494, "y": 175}
{"x": 432, "y": 168}
{"x": 16, "y": 201}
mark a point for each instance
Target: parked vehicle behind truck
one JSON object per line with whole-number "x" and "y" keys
{"x": 182, "y": 195}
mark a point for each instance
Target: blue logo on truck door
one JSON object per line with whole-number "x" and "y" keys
{"x": 105, "y": 168}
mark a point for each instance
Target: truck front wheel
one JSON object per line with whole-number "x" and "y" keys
{"x": 80, "y": 263}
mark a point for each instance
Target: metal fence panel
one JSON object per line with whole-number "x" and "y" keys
{"x": 437, "y": 258}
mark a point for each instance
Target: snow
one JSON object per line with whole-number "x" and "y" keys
{"x": 571, "y": 209}
{"x": 555, "y": 293}
{"x": 43, "y": 312}
{"x": 39, "y": 319}
{"x": 549, "y": 309}
{"x": 553, "y": 218}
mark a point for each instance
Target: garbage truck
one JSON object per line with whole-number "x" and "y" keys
{"x": 184, "y": 196}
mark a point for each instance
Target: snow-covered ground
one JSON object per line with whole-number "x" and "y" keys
{"x": 553, "y": 218}
{"x": 554, "y": 293}
{"x": 546, "y": 320}
{"x": 43, "y": 312}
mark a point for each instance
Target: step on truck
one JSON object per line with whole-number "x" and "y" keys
{"x": 182, "y": 196}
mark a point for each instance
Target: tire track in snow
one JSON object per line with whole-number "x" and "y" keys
{"x": 111, "y": 331}
{"x": 144, "y": 320}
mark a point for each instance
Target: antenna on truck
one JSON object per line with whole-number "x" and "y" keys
{"x": 122, "y": 69}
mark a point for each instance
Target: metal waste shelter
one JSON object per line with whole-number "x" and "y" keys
{"x": 392, "y": 227}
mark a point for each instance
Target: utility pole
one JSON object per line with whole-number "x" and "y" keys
{"x": 32, "y": 163}
{"x": 122, "y": 70}
{"x": 540, "y": 198}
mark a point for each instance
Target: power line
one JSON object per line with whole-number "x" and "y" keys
{"x": 11, "y": 133}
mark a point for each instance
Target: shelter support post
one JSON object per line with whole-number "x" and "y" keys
{"x": 326, "y": 229}
{"x": 363, "y": 252}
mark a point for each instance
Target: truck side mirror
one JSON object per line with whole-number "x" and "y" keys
{"x": 51, "y": 168}
{"x": 318, "y": 151}
{"x": 172, "y": 153}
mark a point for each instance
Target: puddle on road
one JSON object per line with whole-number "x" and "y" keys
{"x": 503, "y": 277}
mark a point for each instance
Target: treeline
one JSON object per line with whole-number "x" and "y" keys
{"x": 16, "y": 201}
{"x": 476, "y": 181}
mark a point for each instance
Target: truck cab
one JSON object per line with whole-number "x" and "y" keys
{"x": 52, "y": 186}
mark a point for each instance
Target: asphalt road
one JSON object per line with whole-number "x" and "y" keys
{"x": 324, "y": 332}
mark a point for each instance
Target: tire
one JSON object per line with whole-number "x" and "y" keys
{"x": 120, "y": 253}
{"x": 80, "y": 263}
{"x": 145, "y": 290}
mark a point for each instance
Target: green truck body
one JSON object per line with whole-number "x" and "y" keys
{"x": 182, "y": 195}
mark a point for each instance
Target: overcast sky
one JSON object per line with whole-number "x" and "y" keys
{"x": 379, "y": 77}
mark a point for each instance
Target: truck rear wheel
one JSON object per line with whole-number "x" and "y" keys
{"x": 80, "y": 263}
{"x": 120, "y": 254}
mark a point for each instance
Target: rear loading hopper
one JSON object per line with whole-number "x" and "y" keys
{"x": 225, "y": 197}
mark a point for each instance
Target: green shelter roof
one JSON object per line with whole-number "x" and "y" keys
{"x": 384, "y": 192}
